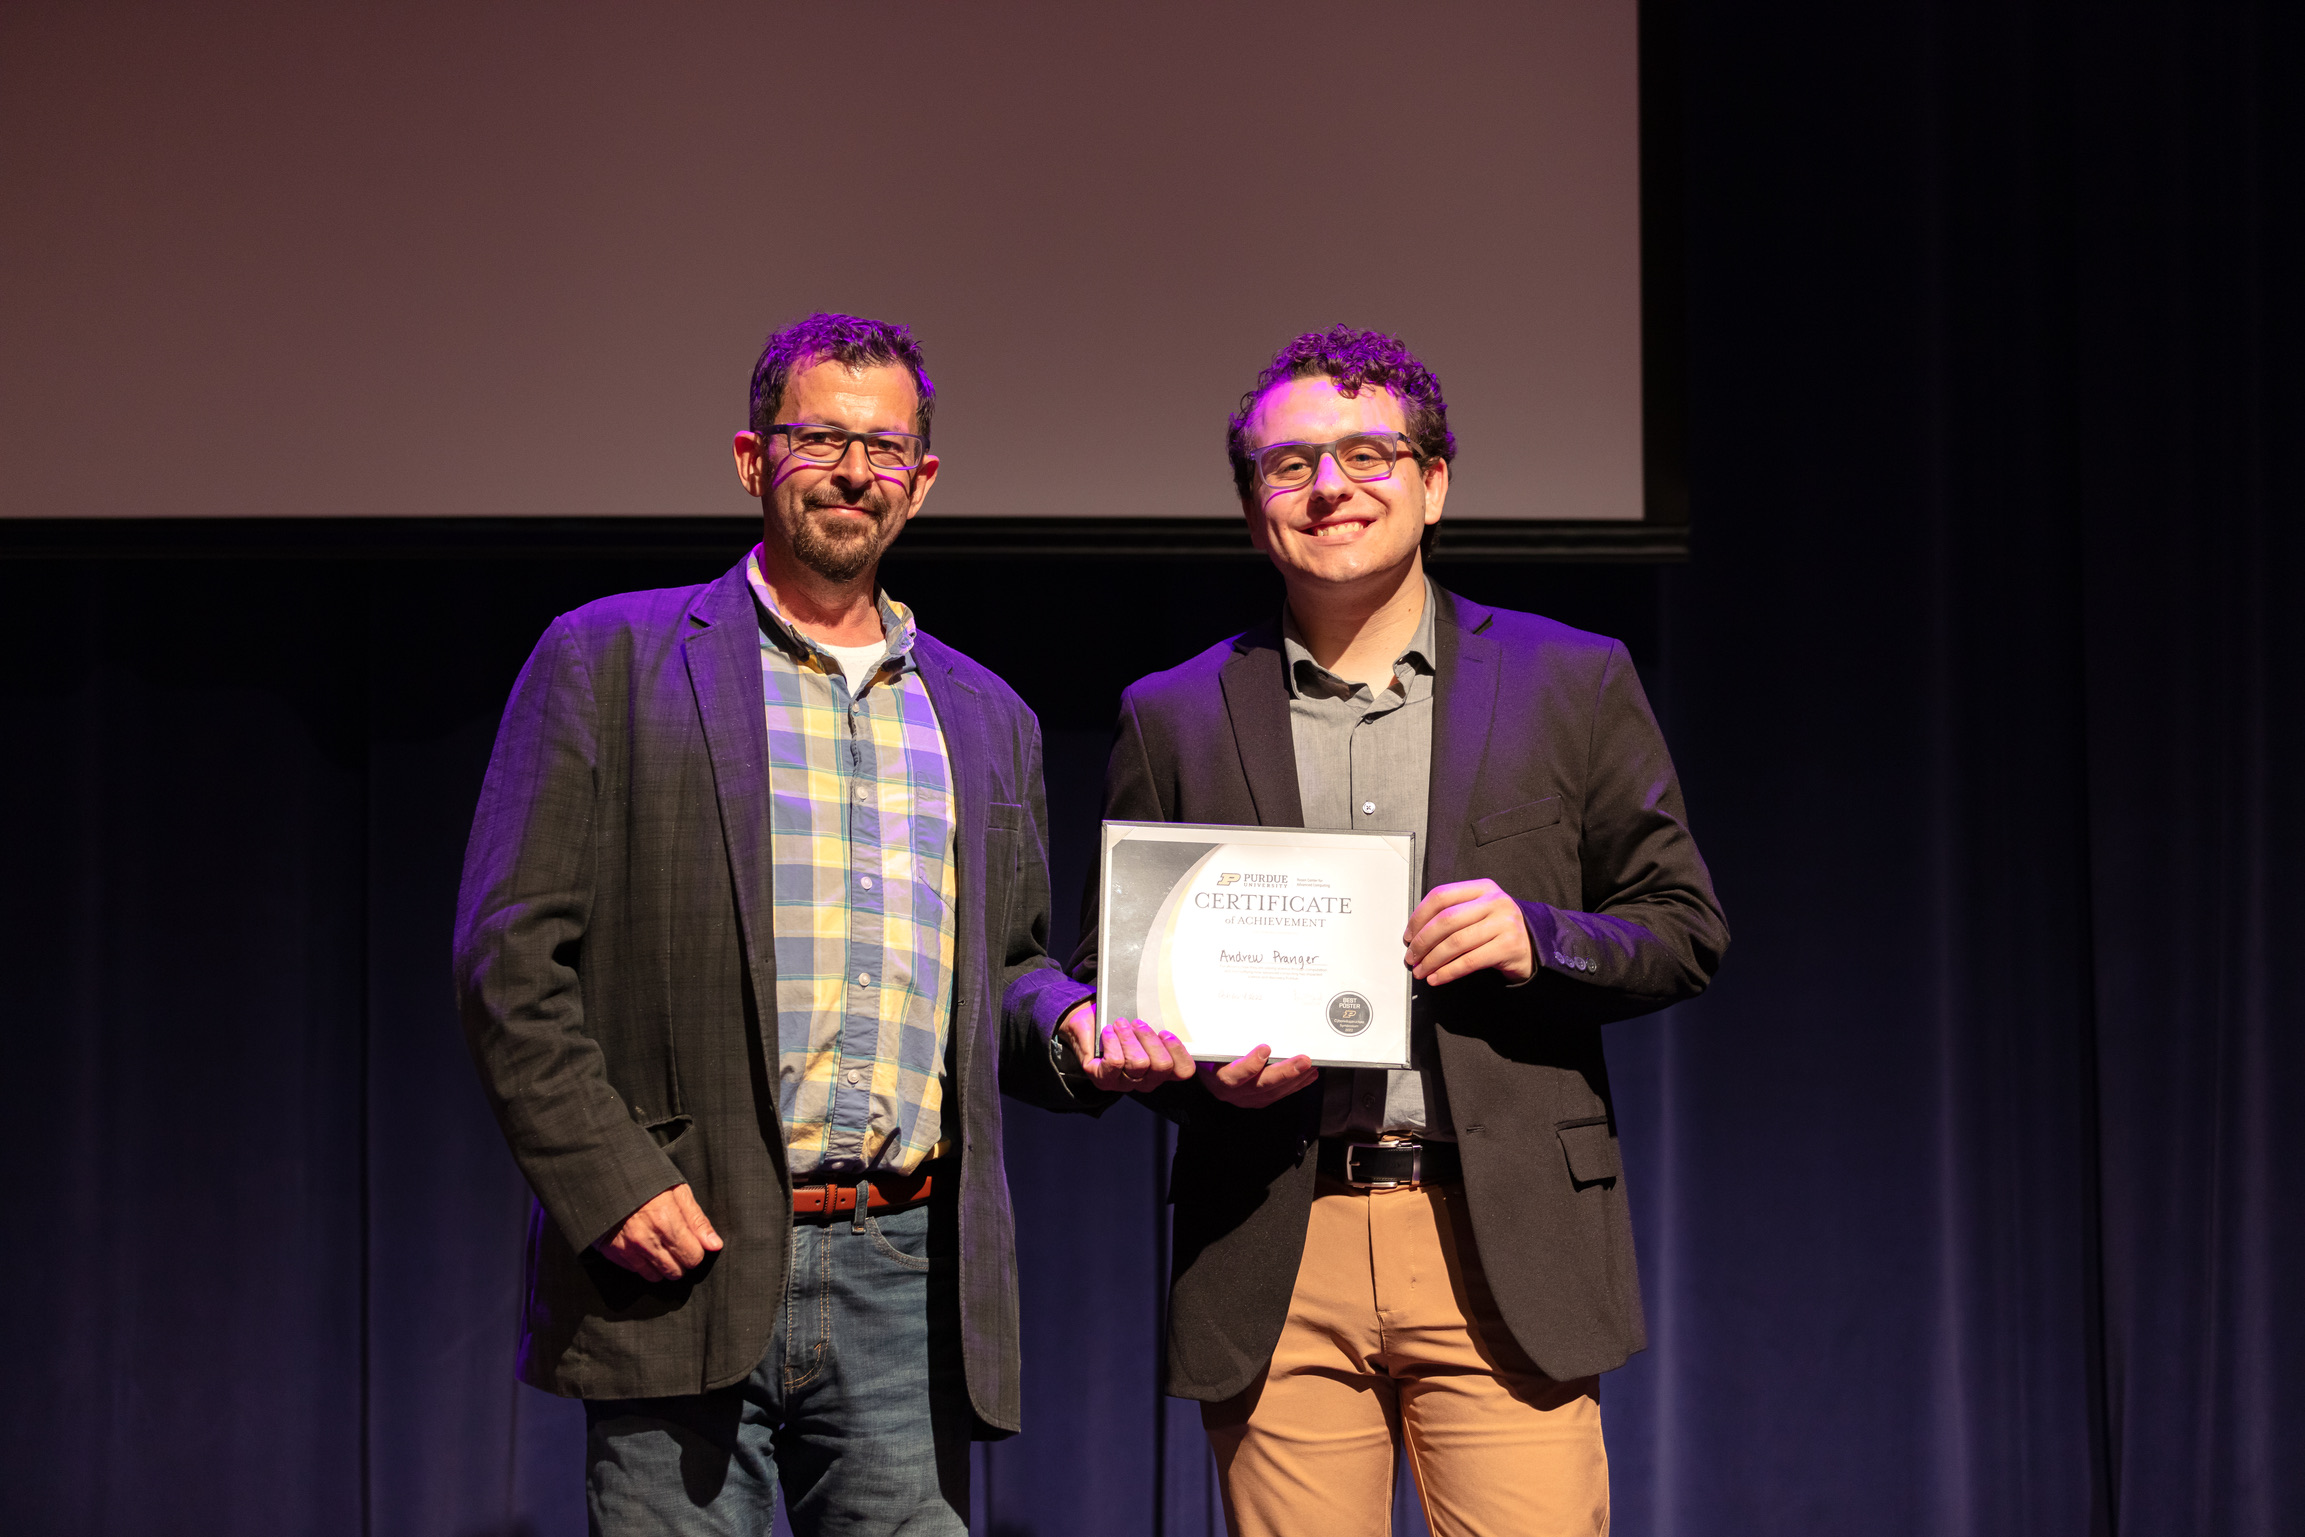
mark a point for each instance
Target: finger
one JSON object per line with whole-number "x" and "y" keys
{"x": 1169, "y": 1059}
{"x": 1132, "y": 1049}
{"x": 1479, "y": 958}
{"x": 1109, "y": 1063}
{"x": 1158, "y": 1062}
{"x": 1277, "y": 1082}
{"x": 1272, "y": 1093}
{"x": 693, "y": 1214}
{"x": 1181, "y": 1063}
{"x": 1243, "y": 1071}
{"x": 1287, "y": 1076}
{"x": 1442, "y": 925}
{"x": 1456, "y": 941}
{"x": 685, "y": 1249}
{"x": 1147, "y": 1040}
{"x": 1437, "y": 900}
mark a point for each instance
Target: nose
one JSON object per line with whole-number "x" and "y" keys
{"x": 861, "y": 472}
{"x": 1329, "y": 482}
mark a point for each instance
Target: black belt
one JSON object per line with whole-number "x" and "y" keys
{"x": 1380, "y": 1165}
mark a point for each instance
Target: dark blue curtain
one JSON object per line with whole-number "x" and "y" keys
{"x": 1969, "y": 1200}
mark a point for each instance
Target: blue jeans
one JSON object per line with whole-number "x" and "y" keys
{"x": 860, "y": 1409}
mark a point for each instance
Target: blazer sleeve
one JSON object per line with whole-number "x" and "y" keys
{"x": 1133, "y": 792}
{"x": 1651, "y": 932}
{"x": 521, "y": 917}
{"x": 1036, "y": 994}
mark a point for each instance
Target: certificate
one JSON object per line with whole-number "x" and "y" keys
{"x": 1232, "y": 937}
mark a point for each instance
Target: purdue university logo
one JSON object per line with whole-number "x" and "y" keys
{"x": 1349, "y": 1014}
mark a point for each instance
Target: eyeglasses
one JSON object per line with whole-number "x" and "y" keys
{"x": 819, "y": 443}
{"x": 1364, "y": 456}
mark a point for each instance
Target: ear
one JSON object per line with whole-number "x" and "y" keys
{"x": 751, "y": 462}
{"x": 1436, "y": 489}
{"x": 923, "y": 477}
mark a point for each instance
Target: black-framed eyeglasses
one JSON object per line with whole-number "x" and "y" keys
{"x": 1364, "y": 456}
{"x": 822, "y": 443}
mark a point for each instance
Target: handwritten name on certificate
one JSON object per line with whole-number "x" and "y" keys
{"x": 1234, "y": 937}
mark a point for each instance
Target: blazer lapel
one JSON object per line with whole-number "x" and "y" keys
{"x": 960, "y": 716}
{"x": 722, "y": 648}
{"x": 1256, "y": 689}
{"x": 1465, "y": 681}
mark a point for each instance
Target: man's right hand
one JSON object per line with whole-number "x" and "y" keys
{"x": 1256, "y": 1080}
{"x": 664, "y": 1240}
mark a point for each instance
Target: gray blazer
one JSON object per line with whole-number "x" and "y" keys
{"x": 1548, "y": 776}
{"x": 612, "y": 948}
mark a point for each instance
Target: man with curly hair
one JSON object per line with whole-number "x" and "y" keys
{"x": 754, "y": 867}
{"x": 1434, "y": 1262}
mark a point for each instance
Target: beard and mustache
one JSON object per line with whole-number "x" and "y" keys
{"x": 833, "y": 547}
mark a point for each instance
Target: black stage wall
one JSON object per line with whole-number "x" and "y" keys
{"x": 1970, "y": 1199}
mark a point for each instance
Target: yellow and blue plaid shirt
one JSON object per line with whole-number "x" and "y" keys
{"x": 861, "y": 841}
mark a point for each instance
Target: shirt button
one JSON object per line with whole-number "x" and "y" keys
{"x": 867, "y": 881}
{"x": 862, "y": 793}
{"x": 1368, "y": 808}
{"x": 864, "y": 979}
{"x": 851, "y": 1075}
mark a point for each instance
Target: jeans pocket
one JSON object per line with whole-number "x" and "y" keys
{"x": 901, "y": 1239}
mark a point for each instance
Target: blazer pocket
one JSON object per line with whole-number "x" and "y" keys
{"x": 1591, "y": 1151}
{"x": 1517, "y": 820}
{"x": 677, "y": 1139}
{"x": 1003, "y": 814}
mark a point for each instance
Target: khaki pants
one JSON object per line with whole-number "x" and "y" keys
{"x": 1393, "y": 1341}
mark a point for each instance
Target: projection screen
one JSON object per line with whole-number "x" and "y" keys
{"x": 499, "y": 260}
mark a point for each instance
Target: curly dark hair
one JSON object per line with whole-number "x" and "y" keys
{"x": 1353, "y": 359}
{"x": 846, "y": 339}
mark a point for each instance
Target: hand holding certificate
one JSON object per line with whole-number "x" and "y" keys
{"x": 1231, "y": 938}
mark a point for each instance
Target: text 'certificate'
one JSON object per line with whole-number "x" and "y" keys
{"x": 1231, "y": 937}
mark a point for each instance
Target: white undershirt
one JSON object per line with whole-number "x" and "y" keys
{"x": 857, "y": 662}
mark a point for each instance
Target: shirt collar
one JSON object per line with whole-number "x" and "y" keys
{"x": 1418, "y": 653}
{"x": 896, "y": 625}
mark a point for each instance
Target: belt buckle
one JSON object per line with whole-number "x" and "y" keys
{"x": 1355, "y": 1149}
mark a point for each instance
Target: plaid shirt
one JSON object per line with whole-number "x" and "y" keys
{"x": 861, "y": 837}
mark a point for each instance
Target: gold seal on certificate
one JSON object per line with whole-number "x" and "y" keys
{"x": 1232, "y": 937}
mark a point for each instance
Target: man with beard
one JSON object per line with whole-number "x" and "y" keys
{"x": 1437, "y": 1262}
{"x": 755, "y": 866}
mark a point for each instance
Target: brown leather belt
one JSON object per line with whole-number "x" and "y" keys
{"x": 1383, "y": 1165}
{"x": 883, "y": 1192}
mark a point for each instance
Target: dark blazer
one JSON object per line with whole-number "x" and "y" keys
{"x": 1549, "y": 777}
{"x": 612, "y": 950}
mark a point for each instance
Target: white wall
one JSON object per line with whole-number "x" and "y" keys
{"x": 518, "y": 258}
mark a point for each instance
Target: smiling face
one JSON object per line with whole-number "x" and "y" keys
{"x": 837, "y": 519}
{"x": 1336, "y": 531}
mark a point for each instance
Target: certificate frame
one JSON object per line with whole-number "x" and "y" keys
{"x": 1366, "y": 1016}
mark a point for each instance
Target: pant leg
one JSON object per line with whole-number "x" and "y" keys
{"x": 696, "y": 1466}
{"x": 1498, "y": 1448}
{"x": 1307, "y": 1450}
{"x": 859, "y": 1409}
{"x": 876, "y": 1426}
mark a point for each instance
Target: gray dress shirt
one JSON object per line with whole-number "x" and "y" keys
{"x": 1364, "y": 764}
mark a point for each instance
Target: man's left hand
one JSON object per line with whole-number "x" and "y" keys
{"x": 1136, "y": 1057}
{"x": 1468, "y": 926}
